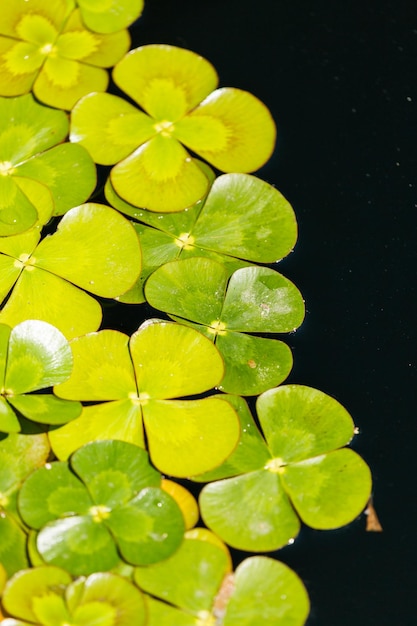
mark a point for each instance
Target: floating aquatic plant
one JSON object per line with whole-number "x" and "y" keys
{"x": 41, "y": 278}
{"x": 105, "y": 504}
{"x": 180, "y": 110}
{"x": 46, "y": 49}
{"x": 140, "y": 381}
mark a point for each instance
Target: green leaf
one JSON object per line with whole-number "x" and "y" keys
{"x": 300, "y": 422}
{"x": 85, "y": 250}
{"x": 17, "y": 212}
{"x": 28, "y": 585}
{"x": 160, "y": 176}
{"x": 259, "y": 223}
{"x": 8, "y": 420}
{"x": 189, "y": 362}
{"x": 35, "y": 128}
{"x": 102, "y": 368}
{"x": 39, "y": 356}
{"x": 121, "y": 419}
{"x": 29, "y": 300}
{"x": 40, "y": 197}
{"x": 250, "y": 454}
{"x": 13, "y": 556}
{"x": 109, "y": 16}
{"x": 77, "y": 544}
{"x": 244, "y": 131}
{"x": 169, "y": 81}
{"x": 253, "y": 363}
{"x": 266, "y": 592}
{"x": 191, "y": 289}
{"x": 122, "y": 599}
{"x": 25, "y": 453}
{"x": 115, "y": 471}
{"x": 161, "y": 614}
{"x": 49, "y": 492}
{"x": 54, "y": 165}
{"x": 260, "y": 299}
{"x": 183, "y": 436}
{"x": 149, "y": 528}
{"x": 46, "y": 409}
{"x": 328, "y": 491}
{"x": 200, "y": 568}
{"x": 63, "y": 82}
{"x": 250, "y": 512}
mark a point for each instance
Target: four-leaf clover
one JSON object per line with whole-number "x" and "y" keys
{"x": 105, "y": 502}
{"x": 140, "y": 381}
{"x": 229, "y": 128}
{"x": 45, "y": 48}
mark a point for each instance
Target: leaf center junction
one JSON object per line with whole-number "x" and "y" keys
{"x": 99, "y": 513}
{"x": 6, "y": 168}
{"x": 185, "y": 241}
{"x": 164, "y": 128}
{"x": 276, "y": 466}
{"x": 205, "y": 618}
{"x": 217, "y": 328}
{"x": 25, "y": 260}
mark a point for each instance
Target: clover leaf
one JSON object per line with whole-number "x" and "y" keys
{"x": 109, "y": 16}
{"x": 45, "y": 48}
{"x": 43, "y": 280}
{"x": 241, "y": 219}
{"x": 257, "y": 503}
{"x": 261, "y": 591}
{"x": 253, "y": 299}
{"x": 142, "y": 380}
{"x": 179, "y": 111}
{"x": 19, "y": 456}
{"x": 104, "y": 502}
{"x": 47, "y": 595}
{"x": 34, "y": 181}
{"x": 33, "y": 355}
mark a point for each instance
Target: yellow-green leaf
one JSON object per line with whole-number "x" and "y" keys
{"x": 248, "y": 138}
{"x": 185, "y": 78}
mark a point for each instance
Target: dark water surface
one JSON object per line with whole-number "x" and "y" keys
{"x": 341, "y": 82}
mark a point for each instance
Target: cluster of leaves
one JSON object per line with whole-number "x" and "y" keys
{"x": 90, "y": 418}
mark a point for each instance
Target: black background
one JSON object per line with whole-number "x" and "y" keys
{"x": 341, "y": 83}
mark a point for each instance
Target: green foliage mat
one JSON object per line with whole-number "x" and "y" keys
{"x": 102, "y": 432}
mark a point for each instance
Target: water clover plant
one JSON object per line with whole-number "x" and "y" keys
{"x": 140, "y": 380}
{"x": 252, "y": 299}
{"x": 106, "y": 503}
{"x": 19, "y": 456}
{"x": 41, "y": 278}
{"x": 205, "y": 593}
{"x": 303, "y": 472}
{"x": 243, "y": 219}
{"x": 109, "y": 16}
{"x": 33, "y": 355}
{"x": 180, "y": 110}
{"x": 48, "y": 595}
{"x": 90, "y": 416}
{"x": 34, "y": 181}
{"x": 46, "y": 49}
